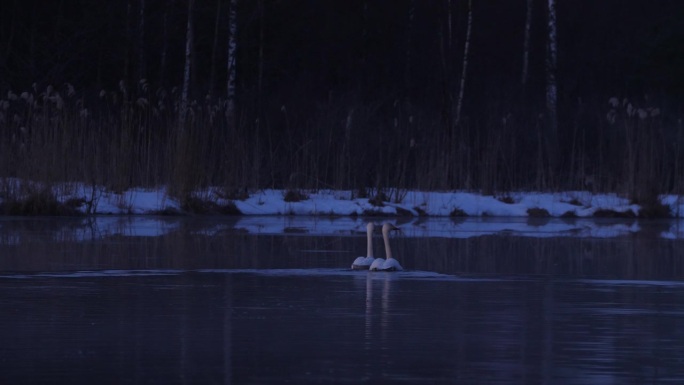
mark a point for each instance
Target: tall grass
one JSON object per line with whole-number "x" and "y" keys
{"x": 120, "y": 140}
{"x": 128, "y": 138}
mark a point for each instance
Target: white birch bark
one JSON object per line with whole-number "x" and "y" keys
{"x": 551, "y": 59}
{"x": 464, "y": 70}
{"x": 552, "y": 89}
{"x": 232, "y": 50}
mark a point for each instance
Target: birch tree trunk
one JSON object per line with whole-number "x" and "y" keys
{"x": 551, "y": 84}
{"x": 466, "y": 48}
{"x": 526, "y": 44}
{"x": 232, "y": 73}
{"x": 188, "y": 63}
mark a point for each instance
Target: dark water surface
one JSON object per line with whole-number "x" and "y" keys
{"x": 210, "y": 301}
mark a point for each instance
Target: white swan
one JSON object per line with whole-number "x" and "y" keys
{"x": 389, "y": 264}
{"x": 363, "y": 263}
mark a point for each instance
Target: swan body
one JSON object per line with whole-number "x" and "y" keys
{"x": 377, "y": 264}
{"x": 364, "y": 263}
{"x": 389, "y": 264}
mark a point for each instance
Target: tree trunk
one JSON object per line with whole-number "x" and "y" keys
{"x": 466, "y": 48}
{"x": 142, "y": 70}
{"x": 127, "y": 44}
{"x": 526, "y": 44}
{"x": 551, "y": 85}
{"x": 8, "y": 49}
{"x": 363, "y": 58}
{"x": 188, "y": 63}
{"x": 445, "y": 54}
{"x": 165, "y": 46}
{"x": 232, "y": 73}
{"x": 450, "y": 34}
{"x": 260, "y": 80}
{"x": 409, "y": 44}
{"x": 214, "y": 49}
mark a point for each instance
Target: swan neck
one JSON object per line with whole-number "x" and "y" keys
{"x": 385, "y": 237}
{"x": 369, "y": 240}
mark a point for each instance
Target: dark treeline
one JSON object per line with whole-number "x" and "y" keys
{"x": 355, "y": 94}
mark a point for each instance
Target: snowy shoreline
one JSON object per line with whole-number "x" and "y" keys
{"x": 580, "y": 204}
{"x": 105, "y": 226}
{"x": 153, "y": 212}
{"x": 571, "y": 204}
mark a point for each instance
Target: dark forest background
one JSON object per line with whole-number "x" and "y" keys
{"x": 355, "y": 94}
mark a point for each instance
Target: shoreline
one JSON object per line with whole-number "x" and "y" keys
{"x": 80, "y": 200}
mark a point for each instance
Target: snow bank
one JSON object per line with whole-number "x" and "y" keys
{"x": 580, "y": 204}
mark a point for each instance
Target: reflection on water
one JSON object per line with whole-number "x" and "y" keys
{"x": 39, "y": 245}
{"x": 186, "y": 305}
{"x": 256, "y": 327}
{"x": 94, "y": 228}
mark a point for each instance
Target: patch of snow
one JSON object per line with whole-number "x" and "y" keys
{"x": 339, "y": 203}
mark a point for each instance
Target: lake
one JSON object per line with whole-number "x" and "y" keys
{"x": 262, "y": 300}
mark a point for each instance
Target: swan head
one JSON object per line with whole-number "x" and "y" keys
{"x": 370, "y": 227}
{"x": 387, "y": 227}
